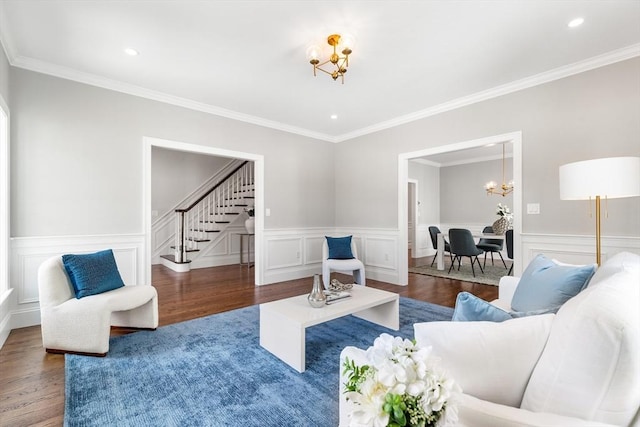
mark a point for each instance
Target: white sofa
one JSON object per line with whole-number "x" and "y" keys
{"x": 579, "y": 367}
{"x": 71, "y": 325}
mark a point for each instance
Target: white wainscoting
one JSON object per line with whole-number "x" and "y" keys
{"x": 290, "y": 254}
{"x": 296, "y": 253}
{"x": 575, "y": 249}
{"x": 27, "y": 253}
{"x": 422, "y": 246}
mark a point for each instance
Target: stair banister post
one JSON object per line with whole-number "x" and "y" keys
{"x": 180, "y": 248}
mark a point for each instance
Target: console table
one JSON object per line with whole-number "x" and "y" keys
{"x": 249, "y": 237}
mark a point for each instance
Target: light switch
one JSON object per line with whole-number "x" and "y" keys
{"x": 533, "y": 208}
{"x": 267, "y": 212}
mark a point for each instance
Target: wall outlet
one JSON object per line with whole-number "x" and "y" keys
{"x": 533, "y": 208}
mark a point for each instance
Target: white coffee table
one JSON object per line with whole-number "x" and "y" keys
{"x": 283, "y": 322}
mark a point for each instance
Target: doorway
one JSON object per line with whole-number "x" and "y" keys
{"x": 403, "y": 166}
{"x": 258, "y": 161}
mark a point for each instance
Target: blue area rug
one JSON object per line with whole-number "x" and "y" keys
{"x": 212, "y": 372}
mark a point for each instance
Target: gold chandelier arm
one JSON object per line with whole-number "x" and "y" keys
{"x": 317, "y": 67}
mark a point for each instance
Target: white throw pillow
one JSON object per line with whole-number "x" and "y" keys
{"x": 590, "y": 368}
{"x": 491, "y": 361}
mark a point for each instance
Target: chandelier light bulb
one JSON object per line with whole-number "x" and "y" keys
{"x": 313, "y": 53}
{"x": 346, "y": 44}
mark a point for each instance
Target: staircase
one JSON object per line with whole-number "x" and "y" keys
{"x": 207, "y": 217}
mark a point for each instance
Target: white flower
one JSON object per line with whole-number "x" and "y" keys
{"x": 397, "y": 366}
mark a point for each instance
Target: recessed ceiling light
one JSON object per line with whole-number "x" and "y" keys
{"x": 131, "y": 51}
{"x": 575, "y": 22}
{"x": 334, "y": 116}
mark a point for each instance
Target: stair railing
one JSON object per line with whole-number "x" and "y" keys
{"x": 193, "y": 224}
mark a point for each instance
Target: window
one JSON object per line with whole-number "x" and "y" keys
{"x": 4, "y": 200}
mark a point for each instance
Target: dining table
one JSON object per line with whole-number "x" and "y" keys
{"x": 440, "y": 249}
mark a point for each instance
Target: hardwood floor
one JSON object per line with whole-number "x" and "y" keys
{"x": 32, "y": 381}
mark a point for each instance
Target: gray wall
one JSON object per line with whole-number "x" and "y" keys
{"x": 77, "y": 159}
{"x": 589, "y": 115}
{"x": 176, "y": 174}
{"x": 462, "y": 195}
{"x": 428, "y": 178}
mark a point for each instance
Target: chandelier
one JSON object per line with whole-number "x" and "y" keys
{"x": 492, "y": 187}
{"x": 338, "y": 63}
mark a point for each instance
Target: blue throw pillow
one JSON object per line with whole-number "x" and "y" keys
{"x": 545, "y": 284}
{"x": 470, "y": 308}
{"x": 339, "y": 247}
{"x": 92, "y": 274}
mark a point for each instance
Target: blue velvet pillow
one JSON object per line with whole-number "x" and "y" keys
{"x": 470, "y": 308}
{"x": 339, "y": 247}
{"x": 545, "y": 284}
{"x": 92, "y": 274}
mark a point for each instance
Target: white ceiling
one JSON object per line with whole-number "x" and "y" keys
{"x": 246, "y": 59}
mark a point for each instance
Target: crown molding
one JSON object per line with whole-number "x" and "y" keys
{"x": 538, "y": 79}
{"x": 5, "y": 37}
{"x": 130, "y": 89}
{"x": 31, "y": 64}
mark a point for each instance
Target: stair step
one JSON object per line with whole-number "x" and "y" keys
{"x": 249, "y": 197}
{"x": 222, "y": 222}
{"x": 192, "y": 239}
{"x": 172, "y": 259}
{"x": 207, "y": 231}
{"x": 188, "y": 250}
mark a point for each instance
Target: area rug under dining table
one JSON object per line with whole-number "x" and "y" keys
{"x": 490, "y": 276}
{"x": 212, "y": 372}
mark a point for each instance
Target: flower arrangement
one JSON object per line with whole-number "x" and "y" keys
{"x": 250, "y": 211}
{"x": 401, "y": 385}
{"x": 503, "y": 210}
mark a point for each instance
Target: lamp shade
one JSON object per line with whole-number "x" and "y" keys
{"x": 613, "y": 177}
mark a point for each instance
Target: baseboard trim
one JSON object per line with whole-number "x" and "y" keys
{"x": 25, "y": 318}
{"x": 5, "y": 329}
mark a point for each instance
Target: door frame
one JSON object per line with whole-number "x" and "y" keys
{"x": 258, "y": 164}
{"x": 403, "y": 175}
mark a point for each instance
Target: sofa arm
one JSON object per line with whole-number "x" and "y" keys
{"x": 473, "y": 412}
{"x": 506, "y": 289}
{"x": 492, "y": 361}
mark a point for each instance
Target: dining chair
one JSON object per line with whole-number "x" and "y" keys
{"x": 433, "y": 232}
{"x": 491, "y": 246}
{"x": 509, "y": 238}
{"x": 462, "y": 244}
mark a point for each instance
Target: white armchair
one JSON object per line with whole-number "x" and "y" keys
{"x": 352, "y": 266}
{"x": 71, "y": 325}
{"x": 579, "y": 367}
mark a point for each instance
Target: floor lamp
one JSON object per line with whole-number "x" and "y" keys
{"x": 609, "y": 178}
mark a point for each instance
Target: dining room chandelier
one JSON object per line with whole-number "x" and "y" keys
{"x": 492, "y": 187}
{"x": 336, "y": 65}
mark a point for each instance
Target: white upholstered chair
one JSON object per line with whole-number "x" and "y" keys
{"x": 352, "y": 266}
{"x": 71, "y": 325}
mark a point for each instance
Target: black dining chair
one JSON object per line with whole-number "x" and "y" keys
{"x": 433, "y": 232}
{"x": 491, "y": 246}
{"x": 462, "y": 244}
{"x": 509, "y": 238}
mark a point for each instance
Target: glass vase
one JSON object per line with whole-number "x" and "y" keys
{"x": 317, "y": 298}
